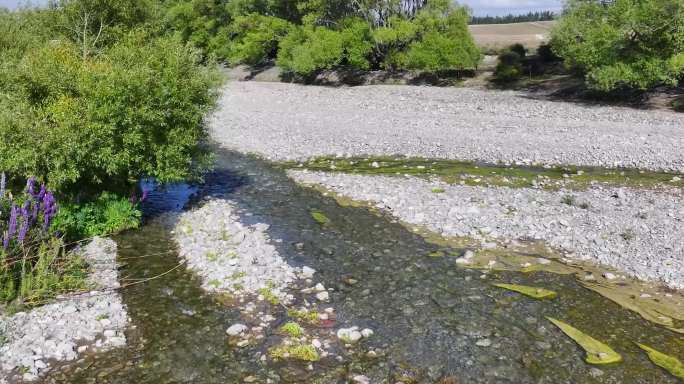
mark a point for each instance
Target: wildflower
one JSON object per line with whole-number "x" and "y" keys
{"x": 12, "y": 228}
{"x": 30, "y": 185}
{"x": 49, "y": 209}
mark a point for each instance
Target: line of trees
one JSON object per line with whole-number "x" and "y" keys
{"x": 511, "y": 18}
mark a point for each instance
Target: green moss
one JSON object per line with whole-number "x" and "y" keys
{"x": 670, "y": 363}
{"x": 438, "y": 190}
{"x": 469, "y": 173}
{"x": 292, "y": 329}
{"x": 533, "y": 292}
{"x": 267, "y": 293}
{"x": 310, "y": 317}
{"x": 597, "y": 352}
{"x": 238, "y": 275}
{"x": 215, "y": 283}
{"x": 320, "y": 218}
{"x": 212, "y": 256}
{"x": 302, "y": 352}
{"x": 437, "y": 254}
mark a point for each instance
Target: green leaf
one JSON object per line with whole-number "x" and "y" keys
{"x": 597, "y": 352}
{"x": 667, "y": 362}
{"x": 533, "y": 292}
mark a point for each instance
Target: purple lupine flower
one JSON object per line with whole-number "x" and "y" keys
{"x": 5, "y": 240}
{"x": 49, "y": 209}
{"x": 145, "y": 192}
{"x": 34, "y": 212}
{"x": 14, "y": 212}
{"x": 23, "y": 230}
{"x": 24, "y": 213}
{"x": 30, "y": 185}
{"x": 3, "y": 182}
{"x": 41, "y": 194}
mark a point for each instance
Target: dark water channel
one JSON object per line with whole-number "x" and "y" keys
{"x": 427, "y": 314}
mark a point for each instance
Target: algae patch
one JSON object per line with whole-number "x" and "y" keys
{"x": 662, "y": 310}
{"x": 669, "y": 363}
{"x": 597, "y": 352}
{"x": 320, "y": 217}
{"x": 533, "y": 292}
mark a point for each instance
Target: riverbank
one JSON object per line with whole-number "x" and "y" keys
{"x": 35, "y": 341}
{"x": 292, "y": 122}
{"x": 638, "y": 232}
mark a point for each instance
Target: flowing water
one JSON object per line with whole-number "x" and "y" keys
{"x": 427, "y": 314}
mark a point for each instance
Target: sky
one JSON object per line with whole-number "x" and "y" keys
{"x": 480, "y": 7}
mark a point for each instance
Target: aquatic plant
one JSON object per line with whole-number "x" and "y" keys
{"x": 267, "y": 293}
{"x": 304, "y": 315}
{"x": 670, "y": 363}
{"x": 292, "y": 329}
{"x": 302, "y": 352}
{"x": 597, "y": 352}
{"x": 320, "y": 217}
{"x": 533, "y": 292}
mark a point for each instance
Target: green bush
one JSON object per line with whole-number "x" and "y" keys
{"x": 102, "y": 123}
{"x": 623, "y": 43}
{"x": 253, "y": 39}
{"x": 519, "y": 49}
{"x": 445, "y": 42}
{"x": 509, "y": 68}
{"x": 310, "y": 48}
{"x": 106, "y": 215}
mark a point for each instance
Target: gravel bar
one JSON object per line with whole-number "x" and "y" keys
{"x": 283, "y": 121}
{"x": 635, "y": 231}
{"x": 58, "y": 332}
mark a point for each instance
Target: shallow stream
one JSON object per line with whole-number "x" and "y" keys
{"x": 428, "y": 315}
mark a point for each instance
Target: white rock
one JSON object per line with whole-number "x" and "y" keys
{"x": 367, "y": 332}
{"x": 323, "y": 296}
{"x": 236, "y": 329}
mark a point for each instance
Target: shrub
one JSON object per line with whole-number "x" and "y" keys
{"x": 445, "y": 42}
{"x": 106, "y": 215}
{"x": 546, "y": 54}
{"x": 102, "y": 123}
{"x": 519, "y": 49}
{"x": 509, "y": 67}
{"x": 310, "y": 48}
{"x": 254, "y": 39}
{"x": 623, "y": 43}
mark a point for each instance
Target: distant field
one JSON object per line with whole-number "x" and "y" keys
{"x": 495, "y": 36}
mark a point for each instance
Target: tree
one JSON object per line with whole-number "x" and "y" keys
{"x": 623, "y": 43}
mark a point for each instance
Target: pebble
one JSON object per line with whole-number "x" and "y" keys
{"x": 236, "y": 329}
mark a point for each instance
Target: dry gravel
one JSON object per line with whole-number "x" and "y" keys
{"x": 286, "y": 121}
{"x": 638, "y": 232}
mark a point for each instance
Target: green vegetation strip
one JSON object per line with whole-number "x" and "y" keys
{"x": 670, "y": 363}
{"x": 474, "y": 174}
{"x": 533, "y": 292}
{"x": 597, "y": 352}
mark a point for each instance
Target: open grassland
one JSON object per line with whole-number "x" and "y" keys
{"x": 497, "y": 36}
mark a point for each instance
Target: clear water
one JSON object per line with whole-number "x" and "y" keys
{"x": 426, "y": 313}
